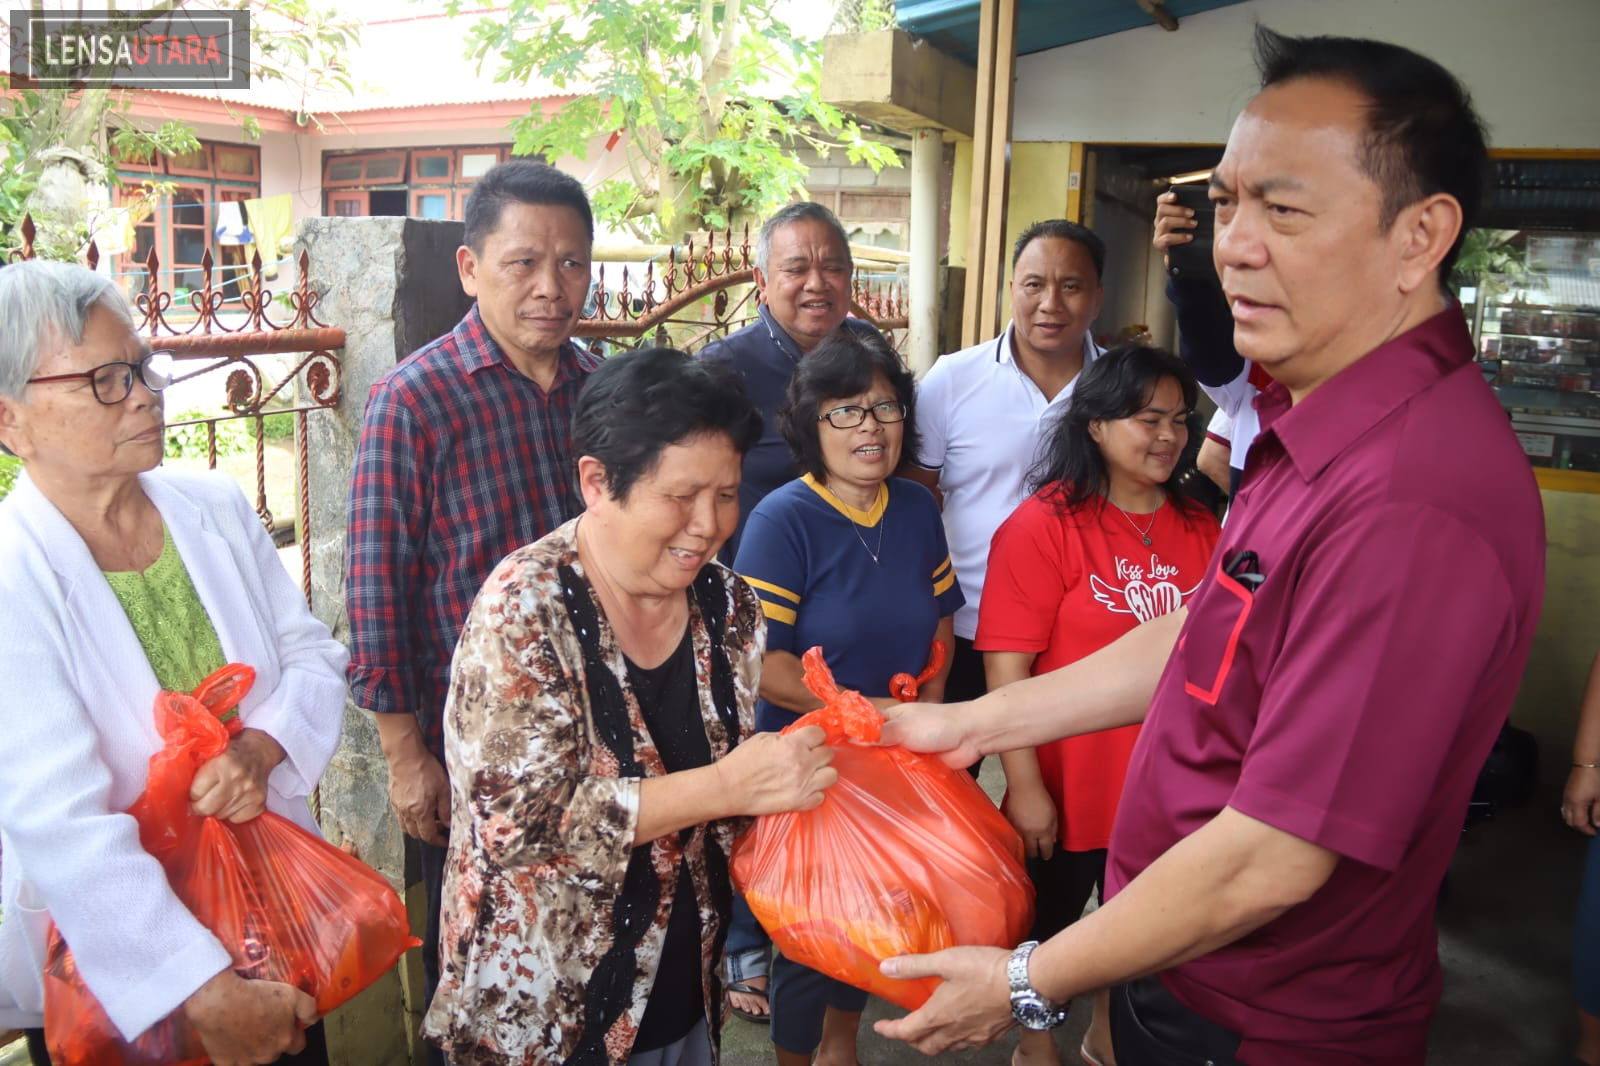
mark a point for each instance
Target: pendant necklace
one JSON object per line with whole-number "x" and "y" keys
{"x": 881, "y": 523}
{"x": 1144, "y": 534}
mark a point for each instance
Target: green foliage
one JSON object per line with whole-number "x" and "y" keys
{"x": 1489, "y": 261}
{"x": 714, "y": 98}
{"x": 278, "y": 427}
{"x": 10, "y": 467}
{"x": 187, "y": 437}
{"x": 301, "y": 42}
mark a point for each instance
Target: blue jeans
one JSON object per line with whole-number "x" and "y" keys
{"x": 748, "y": 947}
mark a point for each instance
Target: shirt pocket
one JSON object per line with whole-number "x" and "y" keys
{"x": 1212, "y": 636}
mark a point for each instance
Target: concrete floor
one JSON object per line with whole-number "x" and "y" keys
{"x": 1505, "y": 929}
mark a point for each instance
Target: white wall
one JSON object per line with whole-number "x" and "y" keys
{"x": 1530, "y": 66}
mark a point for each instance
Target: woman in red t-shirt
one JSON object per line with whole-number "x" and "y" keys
{"x": 1109, "y": 539}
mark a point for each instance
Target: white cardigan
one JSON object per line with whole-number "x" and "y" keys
{"x": 76, "y": 698}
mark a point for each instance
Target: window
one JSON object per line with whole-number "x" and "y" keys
{"x": 432, "y": 166}
{"x": 237, "y": 162}
{"x": 430, "y": 204}
{"x": 422, "y": 183}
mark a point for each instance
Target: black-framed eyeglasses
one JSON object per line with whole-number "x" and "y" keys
{"x": 112, "y": 382}
{"x": 852, "y": 415}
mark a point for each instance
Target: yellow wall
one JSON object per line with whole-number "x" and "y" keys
{"x": 1569, "y": 629}
{"x": 960, "y": 205}
{"x": 1039, "y": 178}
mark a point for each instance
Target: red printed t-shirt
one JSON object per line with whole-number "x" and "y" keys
{"x": 1346, "y": 688}
{"x": 1064, "y": 585}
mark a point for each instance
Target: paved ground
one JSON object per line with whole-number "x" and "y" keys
{"x": 1505, "y": 938}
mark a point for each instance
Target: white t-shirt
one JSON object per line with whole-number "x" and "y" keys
{"x": 980, "y": 418}
{"x": 1235, "y": 402}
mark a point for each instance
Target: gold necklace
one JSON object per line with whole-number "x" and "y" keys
{"x": 882, "y": 521}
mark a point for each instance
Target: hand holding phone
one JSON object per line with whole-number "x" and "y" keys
{"x": 1185, "y": 220}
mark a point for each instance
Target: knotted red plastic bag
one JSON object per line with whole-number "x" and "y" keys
{"x": 287, "y": 905}
{"x": 904, "y": 856}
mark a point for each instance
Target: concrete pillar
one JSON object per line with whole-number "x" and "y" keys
{"x": 927, "y": 158}
{"x": 391, "y": 284}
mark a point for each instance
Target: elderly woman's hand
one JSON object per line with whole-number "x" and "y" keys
{"x": 771, "y": 772}
{"x": 233, "y": 786}
{"x": 243, "y": 1022}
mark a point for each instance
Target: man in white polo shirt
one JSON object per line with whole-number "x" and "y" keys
{"x": 981, "y": 411}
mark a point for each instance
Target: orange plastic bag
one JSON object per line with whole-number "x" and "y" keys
{"x": 904, "y": 856}
{"x": 287, "y": 905}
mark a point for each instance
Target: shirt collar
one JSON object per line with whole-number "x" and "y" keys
{"x": 780, "y": 336}
{"x": 1340, "y": 410}
{"x": 480, "y": 350}
{"x": 1004, "y": 352}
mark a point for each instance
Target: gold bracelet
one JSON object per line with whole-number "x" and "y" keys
{"x": 1586, "y": 766}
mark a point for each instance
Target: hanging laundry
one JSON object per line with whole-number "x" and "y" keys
{"x": 272, "y": 221}
{"x": 231, "y": 228}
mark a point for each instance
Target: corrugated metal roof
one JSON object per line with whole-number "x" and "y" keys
{"x": 952, "y": 25}
{"x": 409, "y": 62}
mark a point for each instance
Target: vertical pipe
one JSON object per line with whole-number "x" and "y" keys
{"x": 927, "y": 153}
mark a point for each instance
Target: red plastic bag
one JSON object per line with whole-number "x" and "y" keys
{"x": 287, "y": 905}
{"x": 905, "y": 856}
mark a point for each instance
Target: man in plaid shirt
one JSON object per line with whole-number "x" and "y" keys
{"x": 465, "y": 455}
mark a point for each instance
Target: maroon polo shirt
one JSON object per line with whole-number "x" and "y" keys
{"x": 1350, "y": 692}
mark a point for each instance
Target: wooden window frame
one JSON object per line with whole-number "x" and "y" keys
{"x": 175, "y": 170}
{"x": 452, "y": 167}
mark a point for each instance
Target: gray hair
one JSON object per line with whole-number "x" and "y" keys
{"x": 44, "y": 305}
{"x": 787, "y": 216}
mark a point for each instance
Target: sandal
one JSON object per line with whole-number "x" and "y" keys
{"x": 745, "y": 988}
{"x": 1088, "y": 1056}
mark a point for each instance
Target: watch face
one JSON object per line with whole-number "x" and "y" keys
{"x": 1034, "y": 1013}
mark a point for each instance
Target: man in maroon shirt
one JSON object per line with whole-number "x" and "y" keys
{"x": 1315, "y": 726}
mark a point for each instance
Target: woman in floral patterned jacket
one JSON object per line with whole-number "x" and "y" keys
{"x": 600, "y": 740}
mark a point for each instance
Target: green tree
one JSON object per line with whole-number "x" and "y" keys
{"x": 77, "y": 135}
{"x": 713, "y": 96}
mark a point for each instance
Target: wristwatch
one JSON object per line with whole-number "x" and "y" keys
{"x": 1029, "y": 1008}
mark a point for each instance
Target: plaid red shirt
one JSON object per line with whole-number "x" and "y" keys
{"x": 461, "y": 461}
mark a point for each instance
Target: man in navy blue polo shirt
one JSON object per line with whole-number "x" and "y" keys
{"x": 1317, "y": 722}
{"x": 803, "y": 273}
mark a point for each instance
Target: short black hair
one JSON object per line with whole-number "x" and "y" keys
{"x": 843, "y": 364}
{"x": 521, "y": 181}
{"x": 638, "y": 403}
{"x": 1067, "y": 231}
{"x": 1118, "y": 384}
{"x": 1423, "y": 135}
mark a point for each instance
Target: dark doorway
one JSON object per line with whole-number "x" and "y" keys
{"x": 387, "y": 202}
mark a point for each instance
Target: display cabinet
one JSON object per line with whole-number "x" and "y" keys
{"x": 1539, "y": 346}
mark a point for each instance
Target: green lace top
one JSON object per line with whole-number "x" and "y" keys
{"x": 169, "y": 620}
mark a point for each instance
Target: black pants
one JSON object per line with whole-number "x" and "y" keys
{"x": 966, "y": 681}
{"x": 1150, "y": 1027}
{"x": 315, "y": 1052}
{"x": 433, "y": 888}
{"x": 1062, "y": 885}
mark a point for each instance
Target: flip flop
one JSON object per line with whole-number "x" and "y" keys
{"x": 745, "y": 988}
{"x": 1087, "y": 1056}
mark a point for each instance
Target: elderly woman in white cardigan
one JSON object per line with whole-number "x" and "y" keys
{"x": 119, "y": 580}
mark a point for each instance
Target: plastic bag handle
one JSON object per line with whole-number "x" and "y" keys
{"x": 845, "y": 714}
{"x": 903, "y": 687}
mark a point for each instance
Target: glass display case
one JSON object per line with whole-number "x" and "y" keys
{"x": 1538, "y": 337}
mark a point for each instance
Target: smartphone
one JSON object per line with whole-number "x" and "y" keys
{"x": 1192, "y": 261}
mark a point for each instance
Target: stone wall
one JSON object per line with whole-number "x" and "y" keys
{"x": 391, "y": 285}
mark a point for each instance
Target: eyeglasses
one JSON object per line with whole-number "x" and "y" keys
{"x": 112, "y": 382}
{"x": 851, "y": 416}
